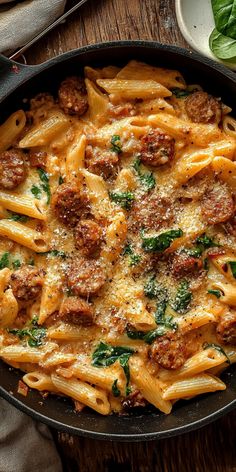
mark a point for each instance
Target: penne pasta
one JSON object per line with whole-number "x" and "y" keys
{"x": 11, "y": 129}
{"x": 23, "y": 235}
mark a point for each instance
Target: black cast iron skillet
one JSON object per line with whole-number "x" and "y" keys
{"x": 18, "y": 82}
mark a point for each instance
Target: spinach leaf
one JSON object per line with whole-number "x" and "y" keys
{"x": 33, "y": 333}
{"x": 54, "y": 253}
{"x": 183, "y": 297}
{"x": 232, "y": 265}
{"x": 116, "y": 144}
{"x": 217, "y": 293}
{"x": 124, "y": 199}
{"x": 222, "y": 46}
{"x": 17, "y": 217}
{"x": 147, "y": 179}
{"x": 36, "y": 191}
{"x": 225, "y": 16}
{"x": 16, "y": 263}
{"x": 161, "y": 242}
{"x": 115, "y": 389}
{"x": 218, "y": 348}
{"x": 105, "y": 355}
{"x": 146, "y": 336}
{"x": 204, "y": 242}
{"x": 180, "y": 93}
{"x": 45, "y": 183}
{"x": 134, "y": 258}
{"x": 194, "y": 252}
{"x": 31, "y": 261}
{"x": 4, "y": 260}
{"x": 60, "y": 180}
{"x": 153, "y": 290}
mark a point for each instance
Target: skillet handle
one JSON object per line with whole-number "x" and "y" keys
{"x": 12, "y": 74}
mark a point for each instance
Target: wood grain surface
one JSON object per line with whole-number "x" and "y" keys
{"x": 213, "y": 448}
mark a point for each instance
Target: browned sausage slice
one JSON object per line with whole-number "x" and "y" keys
{"x": 38, "y": 158}
{"x": 70, "y": 204}
{"x": 217, "y": 205}
{"x": 73, "y": 96}
{"x": 88, "y": 236}
{"x": 157, "y": 148}
{"x": 184, "y": 265}
{"x": 102, "y": 163}
{"x": 85, "y": 276}
{"x": 26, "y": 283}
{"x": 226, "y": 329}
{"x": 169, "y": 351}
{"x": 203, "y": 108}
{"x": 151, "y": 211}
{"x": 76, "y": 310}
{"x": 13, "y": 170}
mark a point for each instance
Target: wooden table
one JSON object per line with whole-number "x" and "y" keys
{"x": 213, "y": 448}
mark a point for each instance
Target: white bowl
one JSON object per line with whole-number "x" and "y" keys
{"x": 196, "y": 22}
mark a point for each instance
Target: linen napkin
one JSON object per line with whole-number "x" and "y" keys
{"x": 25, "y": 445}
{"x": 20, "y": 22}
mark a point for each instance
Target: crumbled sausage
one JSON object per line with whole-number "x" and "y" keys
{"x": 151, "y": 211}
{"x": 170, "y": 351}
{"x": 76, "y": 310}
{"x": 73, "y": 96}
{"x": 183, "y": 265}
{"x": 133, "y": 400}
{"x": 157, "y": 148}
{"x": 26, "y": 283}
{"x": 88, "y": 236}
{"x": 38, "y": 158}
{"x": 226, "y": 329}
{"x": 103, "y": 163}
{"x": 13, "y": 169}
{"x": 203, "y": 108}
{"x": 217, "y": 205}
{"x": 70, "y": 204}
{"x": 85, "y": 276}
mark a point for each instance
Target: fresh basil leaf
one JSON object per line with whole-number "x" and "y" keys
{"x": 183, "y": 297}
{"x": 124, "y": 199}
{"x": 218, "y": 348}
{"x": 36, "y": 191}
{"x": 147, "y": 179}
{"x": 222, "y": 46}
{"x": 4, "y": 260}
{"x": 217, "y": 293}
{"x": 115, "y": 389}
{"x": 116, "y": 144}
{"x": 161, "y": 242}
{"x": 180, "y": 93}
{"x": 17, "y": 217}
{"x": 225, "y": 16}
{"x": 233, "y": 268}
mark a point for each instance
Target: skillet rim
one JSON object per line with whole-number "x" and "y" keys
{"x": 29, "y": 72}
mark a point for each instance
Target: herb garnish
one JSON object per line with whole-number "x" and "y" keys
{"x": 45, "y": 183}
{"x": 115, "y": 389}
{"x": 54, "y": 253}
{"x": 134, "y": 258}
{"x": 180, "y": 93}
{"x": 217, "y": 293}
{"x": 116, "y": 144}
{"x": 60, "y": 180}
{"x": 147, "y": 179}
{"x": 33, "y": 333}
{"x": 124, "y": 199}
{"x": 17, "y": 217}
{"x": 36, "y": 191}
{"x": 161, "y": 242}
{"x": 4, "y": 260}
{"x": 149, "y": 336}
{"x": 204, "y": 242}
{"x": 105, "y": 355}
{"x": 16, "y": 263}
{"x": 218, "y": 348}
{"x": 232, "y": 265}
{"x": 183, "y": 297}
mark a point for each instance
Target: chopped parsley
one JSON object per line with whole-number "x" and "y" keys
{"x": 36, "y": 191}
{"x": 115, "y": 389}
{"x": 183, "y": 297}
{"x": 217, "y": 293}
{"x": 147, "y": 179}
{"x": 218, "y": 348}
{"x": 105, "y": 355}
{"x": 124, "y": 199}
{"x": 17, "y": 217}
{"x": 134, "y": 258}
{"x": 4, "y": 260}
{"x": 45, "y": 183}
{"x": 180, "y": 93}
{"x": 232, "y": 265}
{"x": 116, "y": 144}
{"x": 161, "y": 242}
{"x": 33, "y": 333}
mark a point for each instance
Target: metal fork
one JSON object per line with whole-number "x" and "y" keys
{"x": 20, "y": 52}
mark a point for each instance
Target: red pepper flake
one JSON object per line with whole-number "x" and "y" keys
{"x": 22, "y": 388}
{"x": 15, "y": 69}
